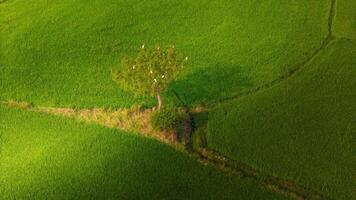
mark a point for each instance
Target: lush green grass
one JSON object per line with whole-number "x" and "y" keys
{"x": 345, "y": 25}
{"x": 45, "y": 157}
{"x": 60, "y": 52}
{"x": 302, "y": 129}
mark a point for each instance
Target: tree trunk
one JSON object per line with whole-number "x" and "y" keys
{"x": 188, "y": 129}
{"x": 159, "y": 99}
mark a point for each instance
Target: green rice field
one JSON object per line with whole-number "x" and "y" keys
{"x": 271, "y": 86}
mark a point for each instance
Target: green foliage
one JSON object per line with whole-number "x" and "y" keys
{"x": 302, "y": 129}
{"x": 47, "y": 157}
{"x": 151, "y": 71}
{"x": 167, "y": 118}
{"x": 199, "y": 139}
{"x": 200, "y": 120}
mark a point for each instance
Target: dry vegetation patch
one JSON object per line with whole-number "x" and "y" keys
{"x": 134, "y": 119}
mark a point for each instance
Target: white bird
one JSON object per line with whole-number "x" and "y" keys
{"x": 155, "y": 80}
{"x": 143, "y": 46}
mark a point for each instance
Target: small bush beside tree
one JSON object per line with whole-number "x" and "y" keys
{"x": 150, "y": 72}
{"x": 167, "y": 119}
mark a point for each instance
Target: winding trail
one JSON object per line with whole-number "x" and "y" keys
{"x": 129, "y": 119}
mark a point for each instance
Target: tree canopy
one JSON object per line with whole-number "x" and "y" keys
{"x": 151, "y": 71}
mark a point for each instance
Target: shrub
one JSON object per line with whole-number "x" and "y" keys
{"x": 199, "y": 139}
{"x": 167, "y": 119}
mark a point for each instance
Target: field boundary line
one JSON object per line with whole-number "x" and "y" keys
{"x": 297, "y": 67}
{"x": 273, "y": 183}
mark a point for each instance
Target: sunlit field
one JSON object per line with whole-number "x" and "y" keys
{"x": 177, "y": 99}
{"x": 303, "y": 129}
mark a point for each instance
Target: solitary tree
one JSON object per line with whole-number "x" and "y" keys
{"x": 150, "y": 73}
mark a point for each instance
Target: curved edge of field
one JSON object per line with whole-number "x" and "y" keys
{"x": 297, "y": 67}
{"x": 296, "y": 129}
{"x": 45, "y": 157}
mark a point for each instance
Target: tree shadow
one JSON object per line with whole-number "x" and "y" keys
{"x": 210, "y": 84}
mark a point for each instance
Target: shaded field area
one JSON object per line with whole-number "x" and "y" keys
{"x": 345, "y": 25}
{"x": 302, "y": 129}
{"x": 46, "y": 157}
{"x": 59, "y": 53}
